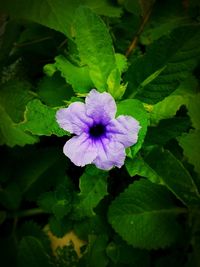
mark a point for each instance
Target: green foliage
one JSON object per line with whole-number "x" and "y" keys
{"x": 146, "y": 55}
{"x": 144, "y": 216}
{"x": 40, "y": 120}
{"x": 93, "y": 188}
{"x": 31, "y": 253}
{"x": 168, "y": 61}
{"x": 135, "y": 108}
{"x": 174, "y": 175}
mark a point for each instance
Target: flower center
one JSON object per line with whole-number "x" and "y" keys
{"x": 97, "y": 130}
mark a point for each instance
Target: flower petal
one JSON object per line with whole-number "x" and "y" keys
{"x": 74, "y": 119}
{"x": 80, "y": 150}
{"x": 123, "y": 129}
{"x": 100, "y": 106}
{"x": 110, "y": 154}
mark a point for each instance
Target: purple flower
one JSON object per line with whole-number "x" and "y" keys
{"x": 100, "y": 138}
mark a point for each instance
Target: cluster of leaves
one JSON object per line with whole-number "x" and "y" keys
{"x": 53, "y": 53}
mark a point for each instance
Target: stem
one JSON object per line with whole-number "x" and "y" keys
{"x": 140, "y": 30}
{"x": 26, "y": 213}
{"x": 33, "y": 42}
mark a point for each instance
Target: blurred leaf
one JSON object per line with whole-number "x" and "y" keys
{"x": 58, "y": 202}
{"x": 137, "y": 7}
{"x": 59, "y": 227}
{"x": 40, "y": 120}
{"x": 10, "y": 196}
{"x": 54, "y": 90}
{"x": 193, "y": 110}
{"x": 167, "y": 129}
{"x": 31, "y": 253}
{"x": 135, "y": 109}
{"x": 144, "y": 216}
{"x": 191, "y": 146}
{"x": 2, "y": 216}
{"x": 14, "y": 95}
{"x": 95, "y": 46}
{"x": 174, "y": 175}
{"x": 93, "y": 188}
{"x": 166, "y": 63}
{"x": 95, "y": 253}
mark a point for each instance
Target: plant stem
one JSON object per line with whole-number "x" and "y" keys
{"x": 140, "y": 30}
{"x": 26, "y": 213}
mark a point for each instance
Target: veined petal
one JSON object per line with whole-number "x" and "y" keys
{"x": 80, "y": 150}
{"x": 110, "y": 154}
{"x": 74, "y": 119}
{"x": 123, "y": 129}
{"x": 100, "y": 106}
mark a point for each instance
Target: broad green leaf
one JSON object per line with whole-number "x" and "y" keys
{"x": 31, "y": 253}
{"x": 193, "y": 110}
{"x": 174, "y": 175}
{"x": 93, "y": 188}
{"x": 167, "y": 129}
{"x": 138, "y": 166}
{"x": 190, "y": 143}
{"x": 40, "y": 120}
{"x": 135, "y": 109}
{"x": 166, "y": 63}
{"x": 77, "y": 77}
{"x": 53, "y": 91}
{"x": 137, "y": 7}
{"x": 95, "y": 46}
{"x": 144, "y": 215}
{"x": 10, "y": 134}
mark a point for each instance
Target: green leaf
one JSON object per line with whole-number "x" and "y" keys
{"x": 10, "y": 134}
{"x": 40, "y": 120}
{"x": 144, "y": 216}
{"x": 138, "y": 166}
{"x": 53, "y": 91}
{"x": 135, "y": 109}
{"x": 93, "y": 188}
{"x": 77, "y": 77}
{"x": 58, "y": 202}
{"x": 167, "y": 62}
{"x": 95, "y": 46}
{"x": 56, "y": 15}
{"x": 193, "y": 110}
{"x": 31, "y": 253}
{"x": 59, "y": 227}
{"x": 168, "y": 107}
{"x": 191, "y": 147}
{"x": 167, "y": 129}
{"x": 174, "y": 175}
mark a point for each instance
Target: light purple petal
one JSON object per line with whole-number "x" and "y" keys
{"x": 74, "y": 119}
{"x": 110, "y": 154}
{"x": 80, "y": 150}
{"x": 100, "y": 106}
{"x": 123, "y": 129}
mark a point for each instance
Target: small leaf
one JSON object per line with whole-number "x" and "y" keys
{"x": 144, "y": 216}
{"x": 93, "y": 187}
{"x": 40, "y": 120}
{"x": 135, "y": 109}
{"x": 174, "y": 175}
